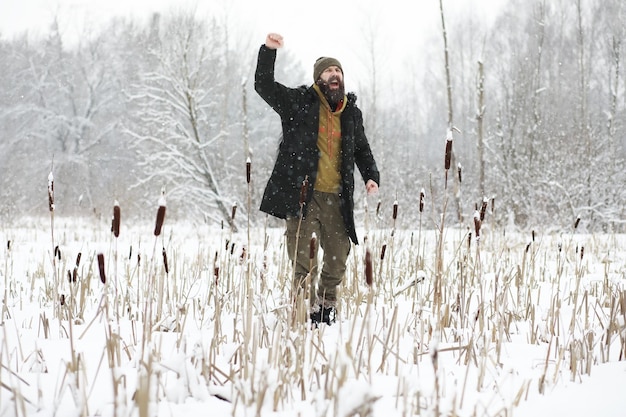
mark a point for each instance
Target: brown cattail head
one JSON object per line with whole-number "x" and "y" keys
{"x": 483, "y": 209}
{"x": 532, "y": 233}
{"x": 312, "y": 246}
{"x": 448, "y": 157}
{"x": 582, "y": 252}
{"x": 303, "y": 190}
{"x": 216, "y": 269}
{"x": 422, "y": 194}
{"x": 57, "y": 252}
{"x": 51, "y": 191}
{"x": 62, "y": 299}
{"x": 115, "y": 227}
{"x": 493, "y": 205}
{"x": 395, "y": 209}
{"x": 459, "y": 169}
{"x": 368, "y": 268}
{"x": 103, "y": 278}
{"x": 477, "y": 224}
{"x": 160, "y": 216}
{"x": 233, "y": 211}
{"x": 167, "y": 269}
{"x": 378, "y": 208}
{"x": 382, "y": 252}
{"x": 576, "y": 222}
{"x": 78, "y": 259}
{"x": 248, "y": 169}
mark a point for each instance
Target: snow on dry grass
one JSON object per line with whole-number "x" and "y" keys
{"x": 197, "y": 320}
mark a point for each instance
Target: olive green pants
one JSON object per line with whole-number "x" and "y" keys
{"x": 323, "y": 218}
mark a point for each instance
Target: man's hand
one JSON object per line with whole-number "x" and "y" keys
{"x": 371, "y": 187}
{"x": 274, "y": 41}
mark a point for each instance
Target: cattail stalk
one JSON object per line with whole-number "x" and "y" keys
{"x": 368, "y": 268}
{"x": 160, "y": 216}
{"x": 448, "y": 155}
{"x": 103, "y": 278}
{"x": 51, "y": 207}
{"x": 115, "y": 225}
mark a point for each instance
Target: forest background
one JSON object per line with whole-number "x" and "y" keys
{"x": 137, "y": 108}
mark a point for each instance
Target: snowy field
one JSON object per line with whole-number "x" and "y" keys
{"x": 197, "y": 322}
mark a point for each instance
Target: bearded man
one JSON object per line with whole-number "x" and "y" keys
{"x": 322, "y": 140}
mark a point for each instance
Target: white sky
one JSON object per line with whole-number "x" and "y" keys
{"x": 310, "y": 28}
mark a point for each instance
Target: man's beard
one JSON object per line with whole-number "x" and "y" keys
{"x": 333, "y": 96}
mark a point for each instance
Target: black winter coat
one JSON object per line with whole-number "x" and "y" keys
{"x": 298, "y": 155}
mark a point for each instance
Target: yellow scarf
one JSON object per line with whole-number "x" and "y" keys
{"x": 329, "y": 144}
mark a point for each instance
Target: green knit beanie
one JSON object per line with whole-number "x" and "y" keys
{"x": 322, "y": 63}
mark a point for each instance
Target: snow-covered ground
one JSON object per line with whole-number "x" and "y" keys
{"x": 517, "y": 325}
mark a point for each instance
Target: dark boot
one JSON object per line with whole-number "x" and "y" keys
{"x": 323, "y": 315}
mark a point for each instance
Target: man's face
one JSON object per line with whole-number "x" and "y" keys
{"x": 331, "y": 84}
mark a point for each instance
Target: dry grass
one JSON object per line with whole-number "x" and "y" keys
{"x": 208, "y": 314}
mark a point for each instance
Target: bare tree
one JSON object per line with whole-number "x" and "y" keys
{"x": 182, "y": 121}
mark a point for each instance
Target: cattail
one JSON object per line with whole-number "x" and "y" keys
{"x": 477, "y": 224}
{"x": 493, "y": 205}
{"x": 483, "y": 209}
{"x": 382, "y": 252}
{"x": 57, "y": 252}
{"x": 101, "y": 268}
{"x": 576, "y": 222}
{"x": 303, "y": 190}
{"x": 232, "y": 249}
{"x": 378, "y": 208}
{"x": 528, "y": 247}
{"x": 233, "y": 211}
{"x": 582, "y": 252}
{"x": 368, "y": 268}
{"x": 422, "y": 194}
{"x": 244, "y": 254}
{"x": 78, "y": 259}
{"x": 459, "y": 168}
{"x": 69, "y": 276}
{"x": 248, "y": 166}
{"x": 160, "y": 216}
{"x": 532, "y": 232}
{"x": 51, "y": 191}
{"x": 312, "y": 246}
{"x": 130, "y": 252}
{"x": 395, "y": 210}
{"x": 448, "y": 158}
{"x": 216, "y": 269}
{"x": 167, "y": 269}
{"x": 115, "y": 226}
{"x": 8, "y": 244}
{"x": 74, "y": 274}
{"x": 62, "y": 299}
{"x": 138, "y": 259}
{"x": 469, "y": 240}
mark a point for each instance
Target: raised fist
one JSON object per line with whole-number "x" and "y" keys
{"x": 274, "y": 41}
